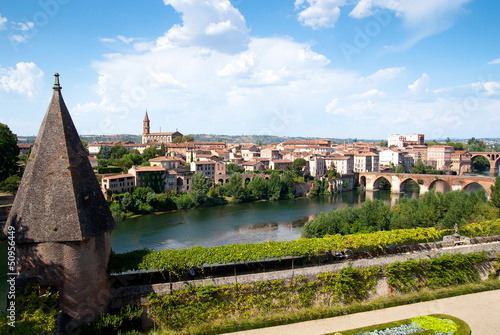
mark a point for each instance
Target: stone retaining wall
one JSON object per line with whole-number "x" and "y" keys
{"x": 132, "y": 294}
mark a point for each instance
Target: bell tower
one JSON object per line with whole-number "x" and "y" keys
{"x": 145, "y": 130}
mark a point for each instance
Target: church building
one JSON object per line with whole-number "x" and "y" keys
{"x": 147, "y": 137}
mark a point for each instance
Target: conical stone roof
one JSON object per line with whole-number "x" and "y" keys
{"x": 59, "y": 198}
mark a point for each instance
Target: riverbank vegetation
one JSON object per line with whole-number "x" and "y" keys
{"x": 432, "y": 209}
{"x": 144, "y": 200}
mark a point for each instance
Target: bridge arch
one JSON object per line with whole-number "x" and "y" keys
{"x": 493, "y": 159}
{"x": 440, "y": 185}
{"x": 473, "y": 187}
{"x": 380, "y": 179}
{"x": 409, "y": 182}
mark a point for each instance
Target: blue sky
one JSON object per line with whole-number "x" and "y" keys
{"x": 321, "y": 68}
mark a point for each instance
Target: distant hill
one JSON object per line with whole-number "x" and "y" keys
{"x": 261, "y": 139}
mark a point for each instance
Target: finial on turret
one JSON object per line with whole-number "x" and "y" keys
{"x": 56, "y": 82}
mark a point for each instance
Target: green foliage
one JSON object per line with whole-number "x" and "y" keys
{"x": 104, "y": 153}
{"x": 184, "y": 201}
{"x": 141, "y": 193}
{"x": 183, "y": 259}
{"x": 232, "y": 168}
{"x": 117, "y": 151}
{"x": 186, "y": 138}
{"x": 258, "y": 187}
{"x": 35, "y": 313}
{"x": 298, "y": 165}
{"x": 447, "y": 270}
{"x": 10, "y": 184}
{"x": 485, "y": 228}
{"x": 432, "y": 209}
{"x": 235, "y": 188}
{"x": 495, "y": 193}
{"x": 8, "y": 151}
{"x": 433, "y": 321}
{"x": 480, "y": 164}
{"x": 435, "y": 324}
{"x": 126, "y": 320}
{"x": 148, "y": 153}
{"x": 274, "y": 186}
{"x": 421, "y": 168}
{"x": 109, "y": 169}
{"x": 199, "y": 188}
{"x": 320, "y": 188}
{"x": 212, "y": 304}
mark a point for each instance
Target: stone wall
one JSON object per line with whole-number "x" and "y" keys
{"x": 124, "y": 295}
{"x": 77, "y": 269}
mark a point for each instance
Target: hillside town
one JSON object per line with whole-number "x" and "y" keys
{"x": 176, "y": 161}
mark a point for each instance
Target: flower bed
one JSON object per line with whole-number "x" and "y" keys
{"x": 439, "y": 324}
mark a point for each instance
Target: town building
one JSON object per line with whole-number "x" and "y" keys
{"x": 461, "y": 161}
{"x": 418, "y": 152}
{"x": 165, "y": 138}
{"x": 401, "y": 141}
{"x": 440, "y": 156}
{"x": 168, "y": 162}
{"x": 280, "y": 164}
{"x": 149, "y": 176}
{"x": 366, "y": 162}
{"x": 117, "y": 183}
{"x": 343, "y": 164}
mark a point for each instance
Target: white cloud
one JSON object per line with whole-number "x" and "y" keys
{"x": 212, "y": 24}
{"x": 422, "y": 18}
{"x": 23, "y": 26}
{"x": 17, "y": 38}
{"x": 25, "y": 79}
{"x": 373, "y": 93}
{"x": 219, "y": 28}
{"x": 420, "y": 86}
{"x": 3, "y": 22}
{"x": 319, "y": 13}
{"x": 384, "y": 74}
{"x": 495, "y": 61}
{"x": 488, "y": 88}
{"x": 84, "y": 109}
{"x": 125, "y": 40}
{"x": 362, "y": 9}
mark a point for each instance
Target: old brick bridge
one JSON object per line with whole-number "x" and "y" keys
{"x": 426, "y": 182}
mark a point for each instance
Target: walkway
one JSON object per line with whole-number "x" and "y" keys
{"x": 480, "y": 310}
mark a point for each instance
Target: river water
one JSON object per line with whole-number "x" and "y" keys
{"x": 222, "y": 225}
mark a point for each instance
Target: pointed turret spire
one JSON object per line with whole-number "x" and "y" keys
{"x": 59, "y": 198}
{"x": 146, "y": 118}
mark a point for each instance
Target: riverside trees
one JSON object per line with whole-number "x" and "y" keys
{"x": 430, "y": 210}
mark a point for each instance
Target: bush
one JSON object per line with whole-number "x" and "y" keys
{"x": 109, "y": 169}
{"x": 10, "y": 184}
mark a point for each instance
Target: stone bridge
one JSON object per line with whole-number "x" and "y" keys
{"x": 493, "y": 158}
{"x": 426, "y": 182}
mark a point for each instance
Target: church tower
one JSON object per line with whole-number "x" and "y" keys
{"x": 61, "y": 220}
{"x": 145, "y": 130}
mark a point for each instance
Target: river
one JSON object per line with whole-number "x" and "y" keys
{"x": 240, "y": 223}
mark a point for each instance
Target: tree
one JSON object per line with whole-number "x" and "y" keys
{"x": 187, "y": 138}
{"x": 10, "y": 184}
{"x": 199, "y": 188}
{"x": 480, "y": 164}
{"x": 258, "y": 187}
{"x": 383, "y": 143}
{"x": 476, "y": 145}
{"x": 141, "y": 193}
{"x": 298, "y": 165}
{"x": 148, "y": 153}
{"x": 232, "y": 167}
{"x": 495, "y": 193}
{"x": 117, "y": 151}
{"x": 104, "y": 153}
{"x": 162, "y": 150}
{"x": 287, "y": 190}
{"x": 8, "y": 152}
{"x": 235, "y": 188}
{"x": 135, "y": 157}
{"x": 274, "y": 186}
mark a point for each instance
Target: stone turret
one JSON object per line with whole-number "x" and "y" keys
{"x": 61, "y": 219}
{"x": 145, "y": 123}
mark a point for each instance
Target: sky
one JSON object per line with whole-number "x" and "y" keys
{"x": 315, "y": 68}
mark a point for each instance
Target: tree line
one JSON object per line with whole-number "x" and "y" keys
{"x": 432, "y": 209}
